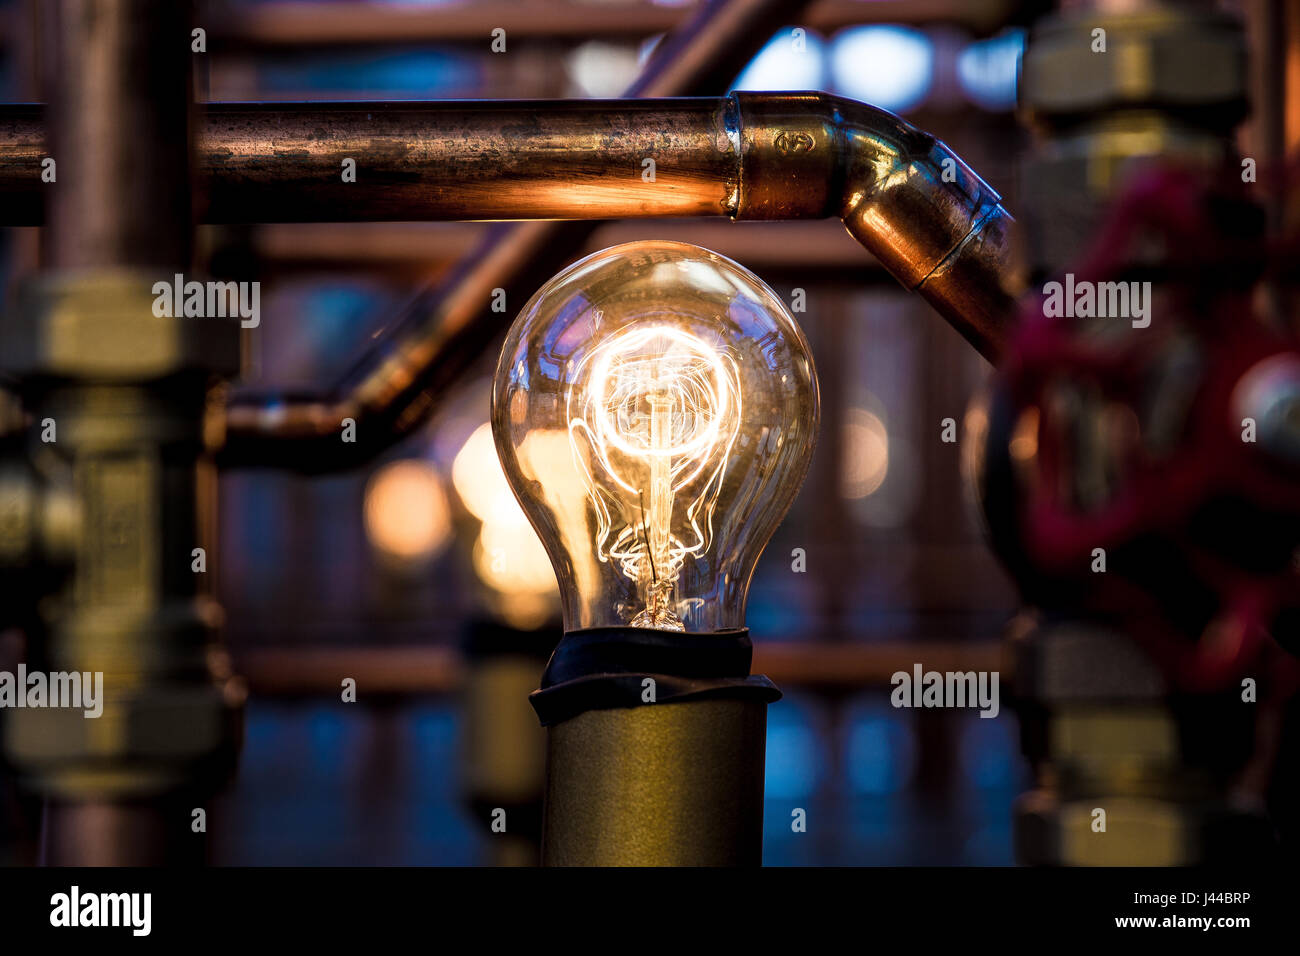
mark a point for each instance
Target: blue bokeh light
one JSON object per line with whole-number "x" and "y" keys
{"x": 989, "y": 70}
{"x": 794, "y": 59}
{"x": 887, "y": 66}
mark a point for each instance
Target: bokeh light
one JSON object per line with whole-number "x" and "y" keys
{"x": 988, "y": 70}
{"x": 407, "y": 518}
{"x": 601, "y": 69}
{"x": 479, "y": 481}
{"x": 794, "y": 59}
{"x": 507, "y": 556}
{"x": 866, "y": 454}
{"x": 887, "y": 66}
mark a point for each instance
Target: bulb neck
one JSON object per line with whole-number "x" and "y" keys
{"x": 605, "y": 668}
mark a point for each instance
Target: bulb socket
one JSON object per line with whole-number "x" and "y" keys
{"x": 655, "y": 747}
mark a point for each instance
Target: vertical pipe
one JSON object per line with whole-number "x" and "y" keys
{"x": 118, "y": 76}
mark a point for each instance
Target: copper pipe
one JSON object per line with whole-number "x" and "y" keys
{"x": 576, "y": 159}
{"x": 119, "y": 132}
{"x": 935, "y": 225}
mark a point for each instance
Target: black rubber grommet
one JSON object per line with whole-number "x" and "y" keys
{"x": 605, "y": 668}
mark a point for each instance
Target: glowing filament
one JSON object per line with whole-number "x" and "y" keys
{"x": 651, "y": 434}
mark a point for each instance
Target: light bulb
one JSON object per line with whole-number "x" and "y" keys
{"x": 655, "y": 410}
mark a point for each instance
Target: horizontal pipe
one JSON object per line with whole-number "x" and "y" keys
{"x": 448, "y": 160}
{"x": 578, "y": 159}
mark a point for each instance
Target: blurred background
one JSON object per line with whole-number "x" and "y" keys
{"x": 381, "y": 575}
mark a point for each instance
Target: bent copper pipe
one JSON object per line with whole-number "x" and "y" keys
{"x": 928, "y": 218}
{"x": 918, "y": 208}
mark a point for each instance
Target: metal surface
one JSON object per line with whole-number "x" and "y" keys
{"x": 438, "y": 669}
{"x": 576, "y": 159}
{"x": 1178, "y": 57}
{"x": 670, "y": 784}
{"x": 100, "y": 325}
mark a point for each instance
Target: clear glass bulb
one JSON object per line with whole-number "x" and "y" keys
{"x": 655, "y": 409}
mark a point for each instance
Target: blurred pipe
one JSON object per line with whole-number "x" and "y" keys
{"x": 117, "y": 72}
{"x": 294, "y": 25}
{"x": 298, "y": 25}
{"x": 120, "y": 134}
{"x": 115, "y": 833}
{"x": 414, "y": 250}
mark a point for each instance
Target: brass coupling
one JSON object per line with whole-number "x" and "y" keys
{"x": 114, "y": 489}
{"x": 102, "y": 326}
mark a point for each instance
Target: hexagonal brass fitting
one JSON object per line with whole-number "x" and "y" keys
{"x": 148, "y": 740}
{"x": 1161, "y": 57}
{"x": 1138, "y": 832}
{"x": 101, "y": 327}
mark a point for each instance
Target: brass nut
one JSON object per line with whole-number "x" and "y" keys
{"x": 159, "y": 732}
{"x": 1163, "y": 56}
{"x": 102, "y": 326}
{"x": 1147, "y": 734}
{"x": 1138, "y": 832}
